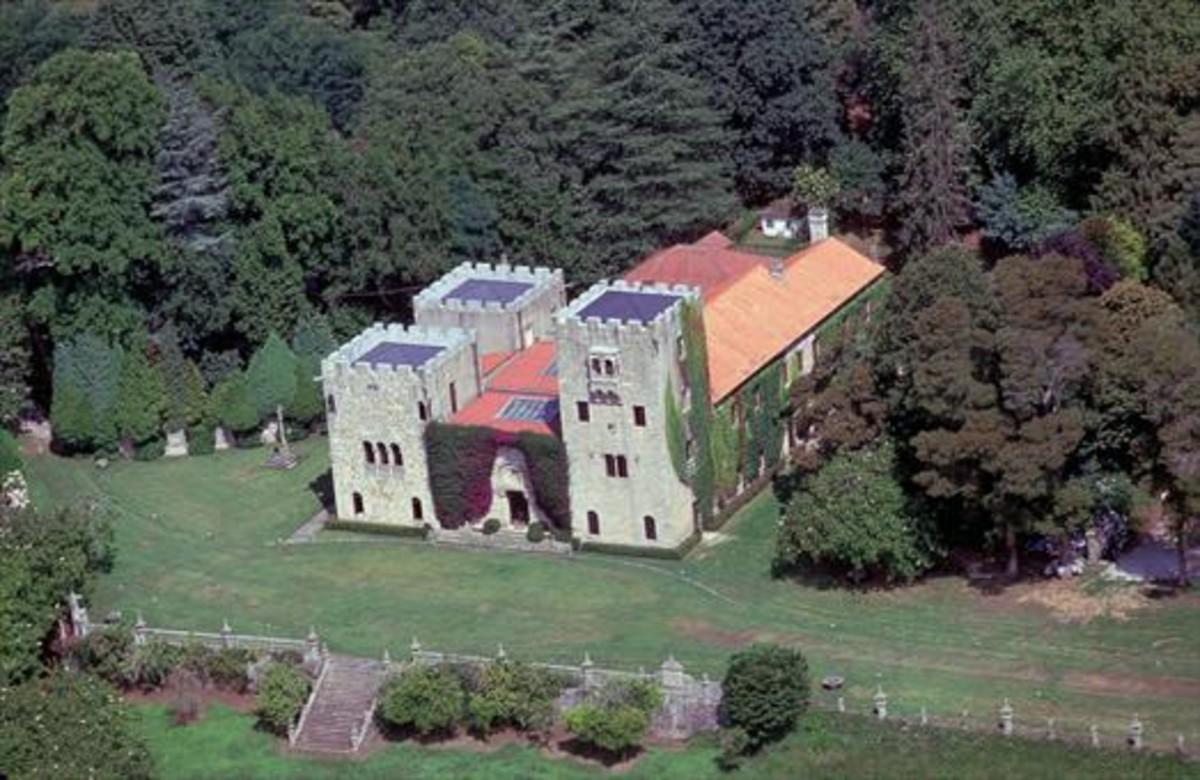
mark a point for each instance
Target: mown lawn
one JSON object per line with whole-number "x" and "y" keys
{"x": 198, "y": 542}
{"x": 828, "y": 747}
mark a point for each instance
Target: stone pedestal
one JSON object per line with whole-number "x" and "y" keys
{"x": 221, "y": 440}
{"x": 177, "y": 444}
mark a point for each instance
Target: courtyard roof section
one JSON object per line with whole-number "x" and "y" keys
{"x": 710, "y": 264}
{"x": 392, "y": 353}
{"x": 751, "y": 321}
{"x": 532, "y": 371}
{"x": 511, "y": 413}
{"x": 628, "y": 305}
{"x": 488, "y": 291}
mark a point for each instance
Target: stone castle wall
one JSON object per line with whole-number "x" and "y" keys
{"x": 648, "y": 358}
{"x": 499, "y": 327}
{"x": 380, "y": 405}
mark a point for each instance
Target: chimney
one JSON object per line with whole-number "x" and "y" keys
{"x": 818, "y": 225}
{"x": 776, "y": 267}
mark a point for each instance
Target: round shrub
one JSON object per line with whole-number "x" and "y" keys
{"x": 516, "y": 695}
{"x": 153, "y": 663}
{"x": 282, "y": 691}
{"x": 766, "y": 690}
{"x": 424, "y": 699}
{"x": 536, "y": 532}
{"x": 201, "y": 440}
{"x": 491, "y": 526}
{"x": 151, "y": 450}
{"x": 227, "y": 668}
{"x": 106, "y": 653}
{"x": 616, "y": 730}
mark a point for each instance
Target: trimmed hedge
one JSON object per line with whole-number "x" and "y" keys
{"x": 660, "y": 553}
{"x": 379, "y": 529}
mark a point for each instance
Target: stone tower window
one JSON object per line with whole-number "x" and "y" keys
{"x": 593, "y": 523}
{"x": 330, "y": 404}
{"x": 610, "y": 367}
{"x": 383, "y": 456}
{"x": 585, "y": 412}
{"x": 369, "y": 452}
{"x": 610, "y": 465}
{"x": 453, "y": 398}
{"x": 622, "y": 467}
{"x": 650, "y": 527}
{"x": 417, "y": 509}
{"x": 422, "y": 410}
{"x": 639, "y": 416}
{"x": 358, "y": 504}
{"x": 397, "y": 456}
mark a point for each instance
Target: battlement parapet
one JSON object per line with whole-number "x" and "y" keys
{"x": 348, "y": 357}
{"x": 574, "y": 317}
{"x": 539, "y": 279}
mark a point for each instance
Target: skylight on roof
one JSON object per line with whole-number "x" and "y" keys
{"x": 530, "y": 409}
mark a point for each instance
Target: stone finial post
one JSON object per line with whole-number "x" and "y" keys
{"x": 312, "y": 655}
{"x": 924, "y": 716}
{"x": 1180, "y": 748}
{"x": 1136, "y": 732}
{"x": 587, "y": 671}
{"x": 1093, "y": 545}
{"x": 1006, "y": 719}
{"x": 500, "y": 654}
{"x": 881, "y": 702}
{"x": 139, "y": 630}
{"x": 1051, "y": 732}
{"x": 226, "y": 633}
{"x": 966, "y": 717}
{"x": 841, "y": 704}
{"x": 387, "y": 660}
{"x": 1094, "y": 734}
{"x": 671, "y": 673}
{"x": 414, "y": 649}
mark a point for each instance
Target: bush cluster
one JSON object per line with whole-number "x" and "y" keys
{"x": 491, "y": 526}
{"x": 536, "y": 532}
{"x": 282, "y": 692}
{"x": 111, "y": 655}
{"x": 430, "y": 700}
{"x": 616, "y": 718}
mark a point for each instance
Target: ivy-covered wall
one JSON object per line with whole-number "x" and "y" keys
{"x": 700, "y": 413}
{"x": 460, "y": 472}
{"x": 762, "y": 404}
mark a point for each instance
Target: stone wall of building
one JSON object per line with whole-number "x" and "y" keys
{"x": 380, "y": 405}
{"x": 648, "y": 362}
{"x": 499, "y": 327}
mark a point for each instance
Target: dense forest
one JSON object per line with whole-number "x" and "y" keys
{"x": 195, "y": 205}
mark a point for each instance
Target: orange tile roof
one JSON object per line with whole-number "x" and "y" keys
{"x": 709, "y": 264}
{"x": 486, "y": 410}
{"x": 530, "y": 373}
{"x": 751, "y": 320}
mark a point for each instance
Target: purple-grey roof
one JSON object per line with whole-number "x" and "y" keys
{"x": 488, "y": 291}
{"x": 393, "y": 353}
{"x": 627, "y": 306}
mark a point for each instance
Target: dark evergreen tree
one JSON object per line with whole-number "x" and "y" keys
{"x": 86, "y": 378}
{"x": 271, "y": 381}
{"x": 141, "y": 397}
{"x": 14, "y": 359}
{"x": 932, "y": 195}
{"x": 772, "y": 71}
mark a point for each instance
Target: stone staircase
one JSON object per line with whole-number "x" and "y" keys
{"x": 339, "y": 715}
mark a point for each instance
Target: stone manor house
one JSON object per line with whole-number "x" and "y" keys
{"x": 606, "y": 374}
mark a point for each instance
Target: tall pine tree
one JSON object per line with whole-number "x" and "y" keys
{"x": 933, "y": 195}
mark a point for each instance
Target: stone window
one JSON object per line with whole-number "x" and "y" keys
{"x": 369, "y": 452}
{"x": 616, "y": 466}
{"x": 397, "y": 456}
{"x": 417, "y": 509}
{"x": 596, "y": 366}
{"x": 453, "y": 398}
{"x": 650, "y": 527}
{"x": 639, "y": 416}
{"x": 593, "y": 523}
{"x": 383, "y": 453}
{"x": 610, "y": 367}
{"x": 422, "y": 410}
{"x": 585, "y": 412}
{"x": 358, "y": 504}
{"x": 331, "y": 404}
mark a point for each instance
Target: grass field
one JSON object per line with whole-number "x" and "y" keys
{"x": 197, "y": 543}
{"x": 828, "y": 747}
